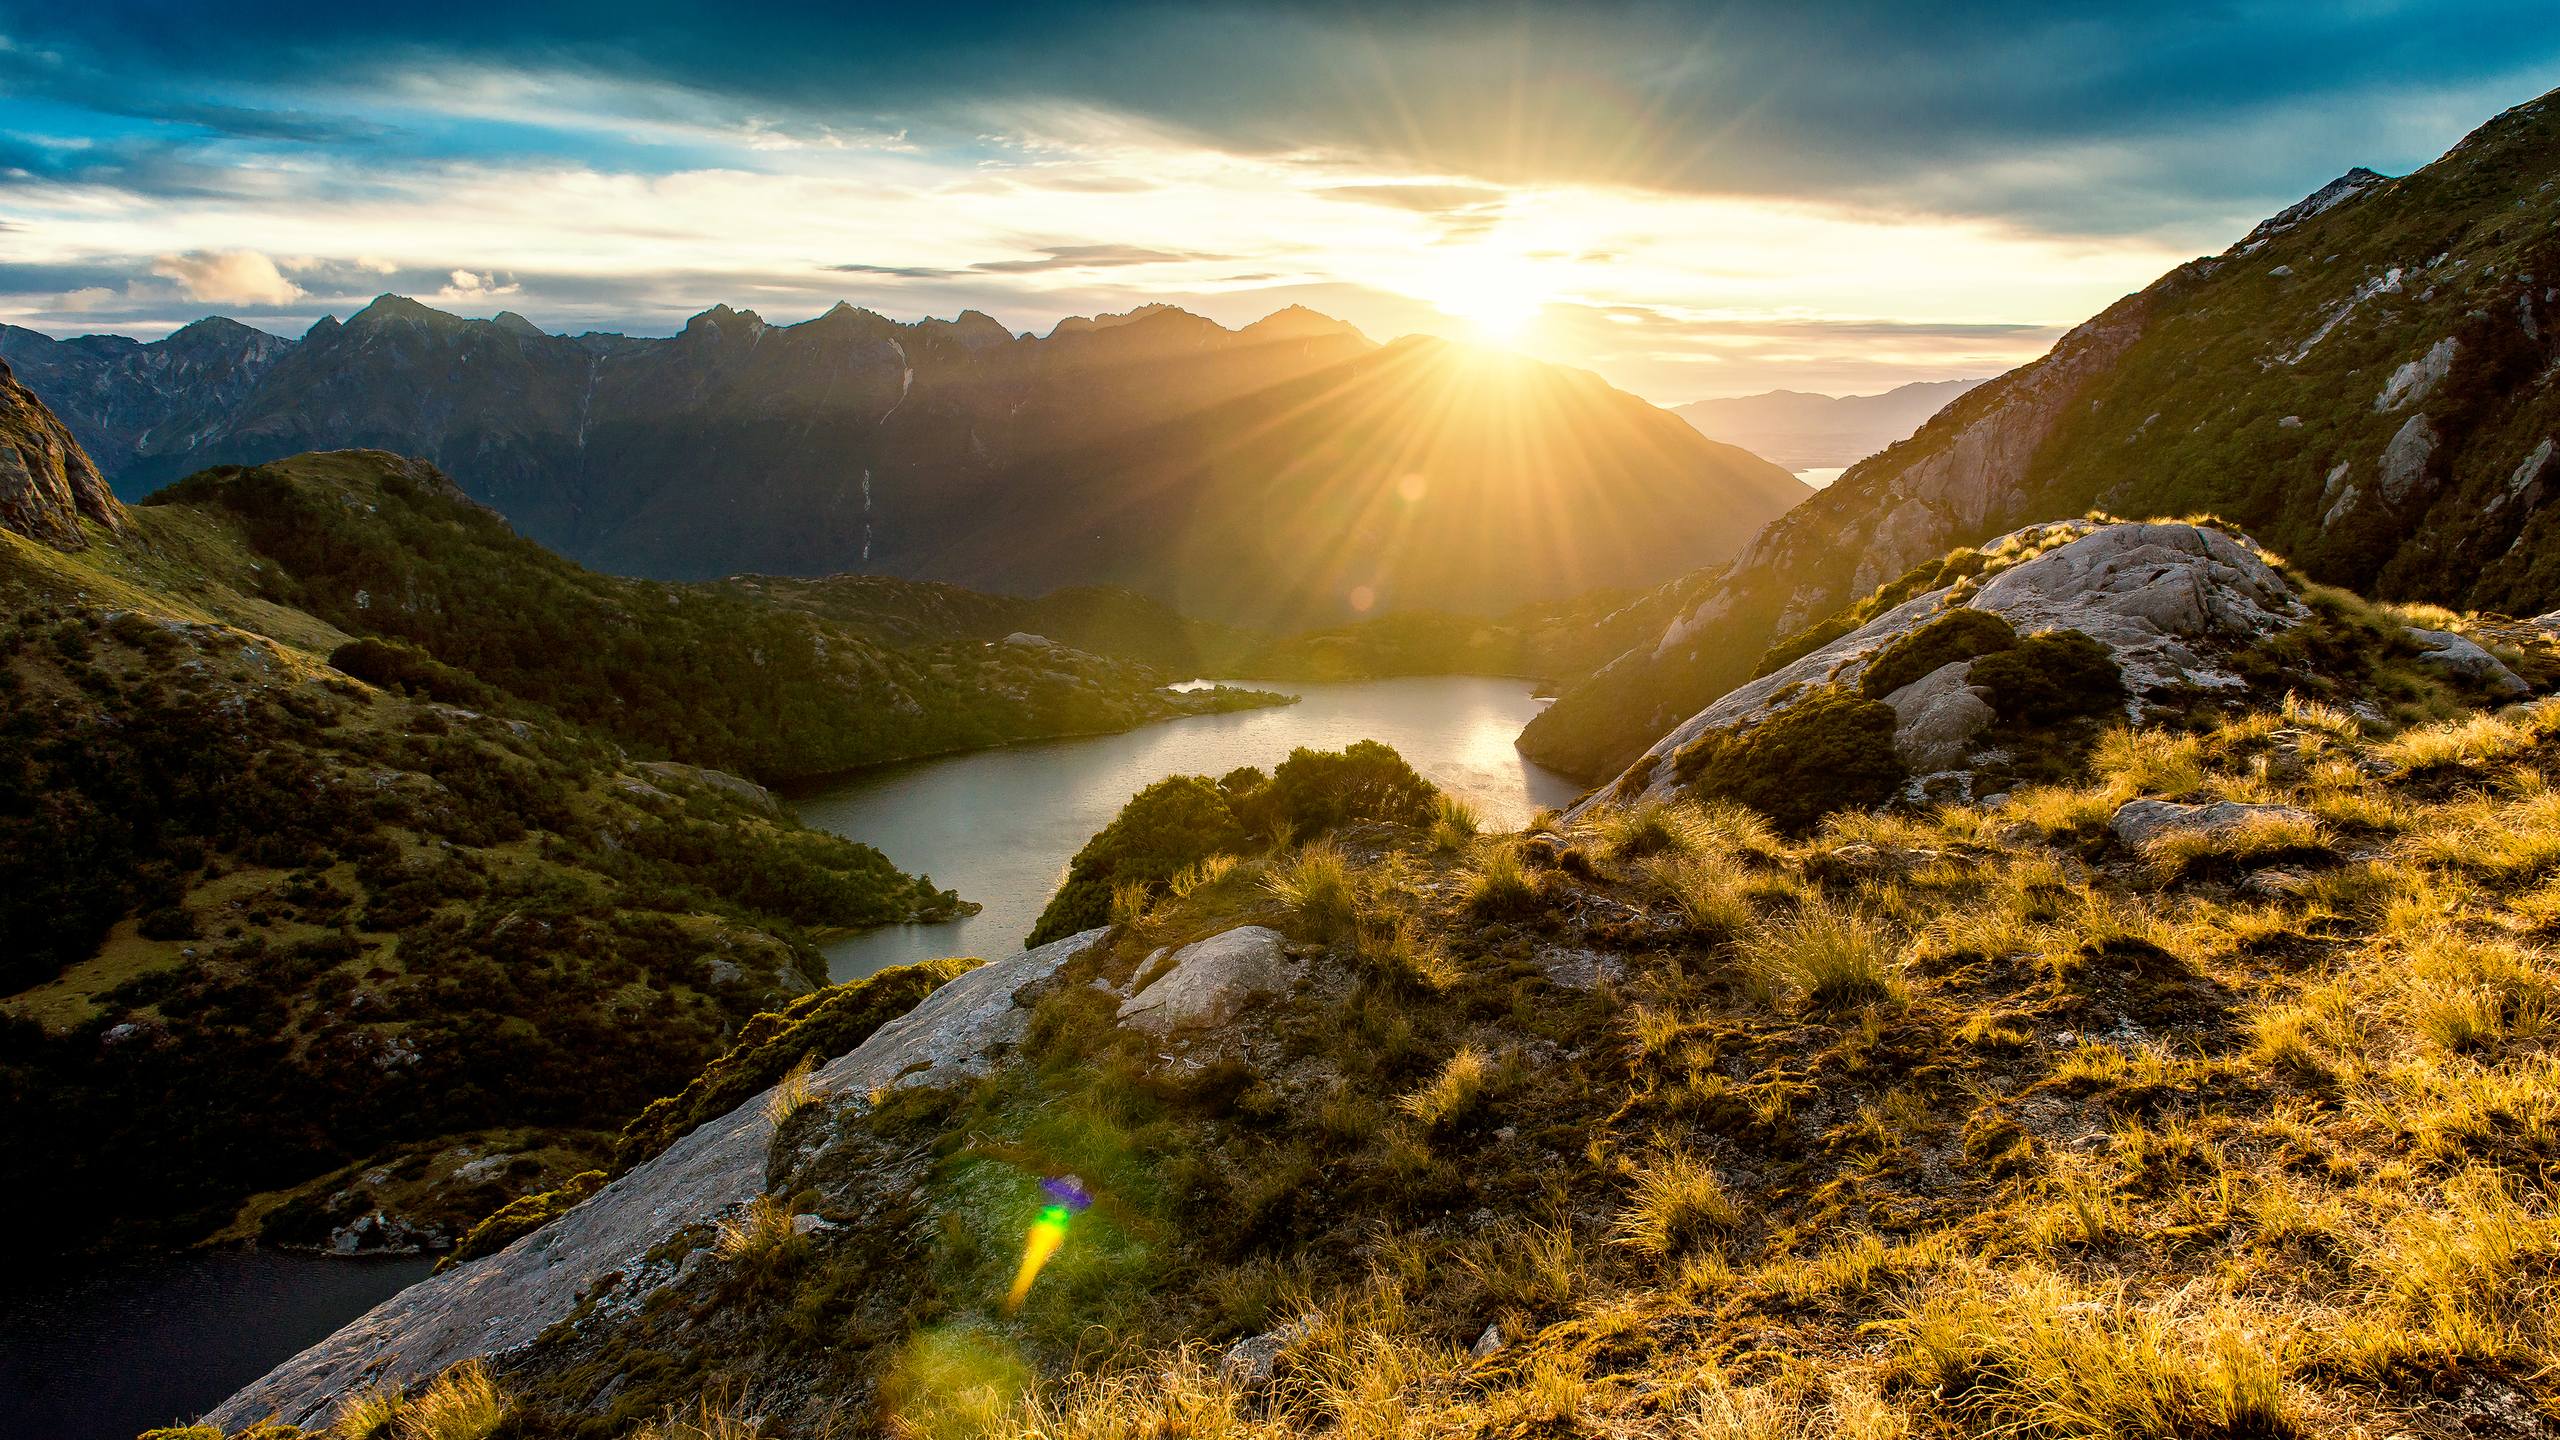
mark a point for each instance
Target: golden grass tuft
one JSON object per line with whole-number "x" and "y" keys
{"x": 1455, "y": 1095}
{"x": 368, "y": 1414}
{"x": 1453, "y": 823}
{"x": 761, "y": 1234}
{"x": 1319, "y": 887}
{"x": 1678, "y": 1205}
{"x": 463, "y": 1403}
{"x": 792, "y": 1093}
{"x": 1825, "y": 958}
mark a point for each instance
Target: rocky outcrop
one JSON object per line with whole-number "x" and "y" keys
{"x": 1937, "y": 716}
{"x": 605, "y": 1252}
{"x": 1208, "y": 982}
{"x": 2464, "y": 661}
{"x": 47, "y": 483}
{"x": 2168, "y": 601}
{"x": 2140, "y": 822}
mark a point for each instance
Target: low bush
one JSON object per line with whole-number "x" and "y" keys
{"x": 2057, "y": 675}
{"x": 1962, "y": 633}
{"x": 1829, "y": 751}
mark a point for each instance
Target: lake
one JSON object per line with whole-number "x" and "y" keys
{"x": 115, "y": 1351}
{"x": 154, "y": 1341}
{"x": 999, "y": 826}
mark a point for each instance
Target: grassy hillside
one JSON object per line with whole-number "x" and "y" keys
{"x": 267, "y": 919}
{"x": 339, "y": 872}
{"x": 1976, "y": 1123}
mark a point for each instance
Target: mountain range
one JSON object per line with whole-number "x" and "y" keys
{"x": 1803, "y": 431}
{"x": 1287, "y": 473}
{"x": 2365, "y": 382}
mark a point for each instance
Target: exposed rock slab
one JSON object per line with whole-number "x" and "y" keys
{"x": 2139, "y": 822}
{"x": 1937, "y": 717}
{"x": 1209, "y": 981}
{"x": 48, "y": 484}
{"x": 2462, "y": 659}
{"x": 2166, "y": 600}
{"x": 602, "y": 1246}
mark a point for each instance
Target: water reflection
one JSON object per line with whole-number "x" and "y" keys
{"x": 999, "y": 826}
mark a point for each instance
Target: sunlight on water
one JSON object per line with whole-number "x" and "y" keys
{"x": 999, "y": 826}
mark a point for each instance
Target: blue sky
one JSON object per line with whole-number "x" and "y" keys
{"x": 1692, "y": 199}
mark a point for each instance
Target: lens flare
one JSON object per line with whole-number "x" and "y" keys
{"x": 1066, "y": 1198}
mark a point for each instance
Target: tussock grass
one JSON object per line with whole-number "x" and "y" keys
{"x": 1455, "y": 1095}
{"x": 1824, "y": 958}
{"x": 1454, "y": 822}
{"x": 1319, "y": 886}
{"x": 1711, "y": 892}
{"x": 1678, "y": 1205}
{"x": 792, "y": 1093}
{"x": 1500, "y": 886}
{"x": 761, "y": 1235}
{"x": 463, "y": 1403}
{"x": 2034, "y": 1355}
{"x": 1649, "y": 827}
{"x": 1200, "y": 875}
{"x": 2256, "y": 841}
{"x": 371, "y": 1413}
{"x": 703, "y": 1420}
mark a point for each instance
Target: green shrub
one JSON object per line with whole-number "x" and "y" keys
{"x": 825, "y": 1022}
{"x": 1962, "y": 633}
{"x": 393, "y": 665}
{"x": 521, "y": 1217}
{"x": 1184, "y": 820}
{"x": 1173, "y": 824}
{"x": 2058, "y": 675}
{"x": 1829, "y": 751}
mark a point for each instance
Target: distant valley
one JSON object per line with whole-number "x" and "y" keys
{"x": 1803, "y": 431}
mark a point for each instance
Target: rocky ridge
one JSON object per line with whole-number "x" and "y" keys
{"x": 2369, "y": 383}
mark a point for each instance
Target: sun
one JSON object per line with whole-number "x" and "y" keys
{"x": 1498, "y": 295}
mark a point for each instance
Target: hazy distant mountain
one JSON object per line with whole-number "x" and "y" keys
{"x": 1802, "y": 431}
{"x": 1279, "y": 474}
{"x": 2369, "y": 383}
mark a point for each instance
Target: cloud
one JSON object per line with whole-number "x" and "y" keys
{"x": 467, "y": 287}
{"x": 1051, "y": 257}
{"x": 227, "y": 277}
{"x": 2096, "y": 118}
{"x": 87, "y": 299}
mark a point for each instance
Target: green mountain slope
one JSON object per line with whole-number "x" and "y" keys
{"x": 336, "y": 845}
{"x": 2369, "y": 384}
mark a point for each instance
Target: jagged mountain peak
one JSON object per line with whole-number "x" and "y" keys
{"x": 388, "y": 310}
{"x": 1298, "y": 321}
{"x": 515, "y": 324}
{"x": 1159, "y": 312}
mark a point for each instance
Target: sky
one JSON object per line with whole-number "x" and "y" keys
{"x": 1691, "y": 199}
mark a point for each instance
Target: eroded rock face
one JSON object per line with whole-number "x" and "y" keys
{"x": 602, "y": 1247}
{"x": 1209, "y": 981}
{"x": 2166, "y": 600}
{"x": 2149, "y": 593}
{"x": 47, "y": 483}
